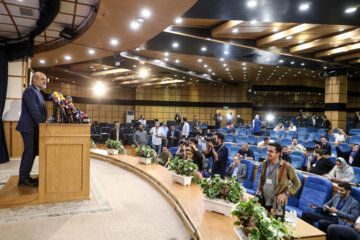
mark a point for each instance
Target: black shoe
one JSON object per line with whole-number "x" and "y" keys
{"x": 28, "y": 183}
{"x": 35, "y": 179}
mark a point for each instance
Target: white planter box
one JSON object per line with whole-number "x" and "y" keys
{"x": 183, "y": 180}
{"x": 143, "y": 160}
{"x": 219, "y": 206}
{"x": 240, "y": 233}
{"x": 112, "y": 151}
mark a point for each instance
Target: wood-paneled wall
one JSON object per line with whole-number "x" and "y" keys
{"x": 14, "y": 140}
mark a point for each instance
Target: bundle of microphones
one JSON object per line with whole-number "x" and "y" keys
{"x": 68, "y": 112}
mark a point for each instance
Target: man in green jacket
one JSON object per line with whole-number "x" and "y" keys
{"x": 274, "y": 183}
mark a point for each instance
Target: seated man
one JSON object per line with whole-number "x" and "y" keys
{"x": 338, "y": 210}
{"x": 265, "y": 142}
{"x": 246, "y": 153}
{"x": 237, "y": 169}
{"x": 337, "y": 231}
{"x": 297, "y": 147}
{"x": 284, "y": 154}
{"x": 319, "y": 165}
{"x": 165, "y": 157}
{"x": 324, "y": 145}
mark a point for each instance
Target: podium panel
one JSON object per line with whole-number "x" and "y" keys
{"x": 64, "y": 162}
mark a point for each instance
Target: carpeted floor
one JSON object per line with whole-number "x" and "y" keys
{"x": 137, "y": 211}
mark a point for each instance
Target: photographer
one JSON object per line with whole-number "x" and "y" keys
{"x": 181, "y": 151}
{"x": 219, "y": 152}
{"x": 201, "y": 140}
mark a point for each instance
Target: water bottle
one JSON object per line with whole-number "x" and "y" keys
{"x": 293, "y": 217}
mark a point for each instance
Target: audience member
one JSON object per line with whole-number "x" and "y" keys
{"x": 186, "y": 128}
{"x": 352, "y": 157}
{"x": 246, "y": 153}
{"x": 157, "y": 134}
{"x": 117, "y": 134}
{"x": 218, "y": 119}
{"x": 295, "y": 146}
{"x": 314, "y": 120}
{"x": 357, "y": 120}
{"x": 142, "y": 120}
{"x": 237, "y": 169}
{"x": 274, "y": 186}
{"x": 239, "y": 120}
{"x": 341, "y": 232}
{"x": 209, "y": 133}
{"x": 339, "y": 137}
{"x": 337, "y": 210}
{"x": 256, "y": 125}
{"x": 265, "y": 142}
{"x": 173, "y": 137}
{"x": 229, "y": 119}
{"x": 301, "y": 118}
{"x": 165, "y": 157}
{"x": 166, "y": 130}
{"x": 292, "y": 127}
{"x": 181, "y": 152}
{"x": 219, "y": 153}
{"x": 325, "y": 123}
{"x": 177, "y": 119}
{"x": 324, "y": 145}
{"x": 319, "y": 165}
{"x": 279, "y": 127}
{"x": 342, "y": 172}
{"x": 197, "y": 157}
{"x": 201, "y": 139}
{"x": 140, "y": 136}
{"x": 285, "y": 154}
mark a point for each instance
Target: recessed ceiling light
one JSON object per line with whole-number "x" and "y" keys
{"x": 91, "y": 51}
{"x": 281, "y": 61}
{"x": 224, "y": 64}
{"x": 146, "y": 13}
{"x": 289, "y": 37}
{"x": 235, "y": 30}
{"x": 205, "y": 66}
{"x": 166, "y": 54}
{"x": 292, "y": 62}
{"x": 253, "y": 21}
{"x": 275, "y": 30}
{"x": 143, "y": 73}
{"x": 268, "y": 59}
{"x": 341, "y": 29}
{"x": 178, "y": 20}
{"x": 67, "y": 57}
{"x": 166, "y": 59}
{"x": 222, "y": 59}
{"x": 304, "y": 6}
{"x": 136, "y": 23}
{"x": 244, "y": 68}
{"x": 350, "y": 10}
{"x": 175, "y": 45}
{"x": 105, "y": 68}
{"x": 114, "y": 42}
{"x": 302, "y": 64}
{"x": 226, "y": 52}
{"x": 137, "y": 49}
{"x": 200, "y": 60}
{"x": 203, "y": 49}
{"x": 252, "y": 3}
{"x": 177, "y": 60}
{"x": 227, "y": 69}
{"x": 91, "y": 66}
{"x": 301, "y": 41}
{"x": 42, "y": 61}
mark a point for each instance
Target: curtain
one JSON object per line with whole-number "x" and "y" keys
{"x": 4, "y": 154}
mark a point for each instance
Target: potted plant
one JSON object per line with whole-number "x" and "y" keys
{"x": 222, "y": 195}
{"x": 145, "y": 154}
{"x": 254, "y": 223}
{"x": 182, "y": 170}
{"x": 92, "y": 144}
{"x": 114, "y": 147}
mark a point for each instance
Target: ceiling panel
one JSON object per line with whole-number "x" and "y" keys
{"x": 28, "y": 3}
{"x": 63, "y": 18}
{"x": 58, "y": 26}
{"x": 25, "y": 22}
{"x": 15, "y": 11}
{"x": 198, "y": 23}
{"x": 66, "y": 7}
{"x": 2, "y": 9}
{"x": 5, "y": 19}
{"x": 8, "y": 28}
{"x": 82, "y": 10}
{"x": 54, "y": 34}
{"x": 79, "y": 20}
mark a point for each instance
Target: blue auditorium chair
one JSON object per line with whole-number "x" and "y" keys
{"x": 307, "y": 157}
{"x": 286, "y": 142}
{"x": 356, "y": 174}
{"x": 301, "y": 142}
{"x": 257, "y": 156}
{"x": 354, "y": 131}
{"x": 241, "y": 132}
{"x": 272, "y": 133}
{"x": 291, "y": 135}
{"x": 323, "y": 132}
{"x": 298, "y": 153}
{"x": 228, "y": 145}
{"x": 345, "y": 148}
{"x": 222, "y": 131}
{"x": 294, "y": 200}
{"x": 260, "y": 139}
{"x": 249, "y": 132}
{"x": 275, "y": 140}
{"x": 317, "y": 190}
{"x": 303, "y": 136}
{"x": 250, "y": 165}
{"x": 310, "y": 144}
{"x": 297, "y": 161}
{"x": 355, "y": 139}
{"x": 333, "y": 159}
{"x": 229, "y": 137}
{"x": 173, "y": 150}
{"x": 254, "y": 187}
{"x": 252, "y": 139}
{"x": 281, "y": 134}
{"x": 355, "y": 193}
{"x": 302, "y": 129}
{"x": 331, "y": 138}
{"x": 203, "y": 126}
{"x": 241, "y": 139}
{"x": 226, "y": 129}
{"x": 254, "y": 149}
{"x": 232, "y": 151}
{"x": 263, "y": 153}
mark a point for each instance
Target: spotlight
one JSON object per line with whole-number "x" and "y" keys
{"x": 178, "y": 20}
{"x": 99, "y": 88}
{"x": 143, "y": 73}
{"x": 270, "y": 117}
{"x": 252, "y": 3}
{"x": 351, "y": 10}
{"x": 304, "y": 7}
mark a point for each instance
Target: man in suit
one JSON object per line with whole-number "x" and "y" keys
{"x": 173, "y": 137}
{"x": 237, "y": 169}
{"x": 338, "y": 210}
{"x": 33, "y": 112}
{"x": 117, "y": 133}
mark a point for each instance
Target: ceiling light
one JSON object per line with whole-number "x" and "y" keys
{"x": 166, "y": 54}
{"x": 114, "y": 42}
{"x": 166, "y": 59}
{"x": 91, "y": 66}
{"x": 341, "y": 29}
{"x": 292, "y": 62}
{"x": 252, "y": 3}
{"x": 99, "y": 89}
{"x": 42, "y": 61}
{"x": 268, "y": 59}
{"x": 178, "y": 20}
{"x": 105, "y": 68}
{"x": 203, "y": 49}
{"x": 235, "y": 30}
{"x": 244, "y": 68}
{"x": 275, "y": 30}
{"x": 253, "y": 22}
{"x": 301, "y": 41}
{"x": 302, "y": 64}
{"x": 67, "y": 57}
{"x": 226, "y": 52}
{"x": 143, "y": 73}
{"x": 200, "y": 60}
{"x": 350, "y": 10}
{"x": 243, "y": 64}
{"x": 175, "y": 45}
{"x": 205, "y": 66}
{"x": 146, "y": 13}
{"x": 304, "y": 6}
{"x": 289, "y": 37}
{"x": 325, "y": 67}
{"x": 137, "y": 49}
{"x": 136, "y": 24}
{"x": 177, "y": 60}
{"x": 227, "y": 69}
{"x": 91, "y": 51}
{"x": 222, "y": 59}
{"x": 281, "y": 61}
{"x": 224, "y": 64}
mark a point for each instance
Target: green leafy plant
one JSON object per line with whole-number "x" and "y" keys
{"x": 92, "y": 144}
{"x": 117, "y": 145}
{"x": 146, "y": 152}
{"x": 182, "y": 167}
{"x": 228, "y": 189}
{"x": 257, "y": 223}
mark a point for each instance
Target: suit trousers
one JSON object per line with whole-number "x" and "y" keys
{"x": 324, "y": 220}
{"x": 340, "y": 232}
{"x": 31, "y": 149}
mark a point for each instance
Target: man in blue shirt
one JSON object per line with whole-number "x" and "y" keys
{"x": 338, "y": 210}
{"x": 245, "y": 152}
{"x": 219, "y": 152}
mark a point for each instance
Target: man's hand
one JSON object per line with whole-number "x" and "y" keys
{"x": 241, "y": 156}
{"x": 330, "y": 209}
{"x": 281, "y": 198}
{"x": 357, "y": 227}
{"x": 211, "y": 145}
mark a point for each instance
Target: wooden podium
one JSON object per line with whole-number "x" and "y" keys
{"x": 64, "y": 168}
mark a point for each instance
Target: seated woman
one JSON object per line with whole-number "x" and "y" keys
{"x": 342, "y": 172}
{"x": 279, "y": 127}
{"x": 352, "y": 158}
{"x": 197, "y": 158}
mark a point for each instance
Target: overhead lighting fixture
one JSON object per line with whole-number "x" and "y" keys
{"x": 253, "y": 21}
{"x": 205, "y": 66}
{"x": 175, "y": 45}
{"x": 289, "y": 37}
{"x": 136, "y": 24}
{"x": 137, "y": 49}
{"x": 105, "y": 68}
{"x": 341, "y": 29}
{"x": 200, "y": 60}
{"x": 304, "y": 6}
{"x": 243, "y": 64}
{"x": 91, "y": 51}
{"x": 42, "y": 61}
{"x": 203, "y": 49}
{"x": 166, "y": 54}
{"x": 146, "y": 13}
{"x": 143, "y": 73}
{"x": 301, "y": 41}
{"x": 177, "y": 60}
{"x": 114, "y": 42}
{"x": 227, "y": 69}
{"x": 99, "y": 88}
{"x": 281, "y": 61}
{"x": 224, "y": 64}
{"x": 235, "y": 30}
{"x": 178, "y": 20}
{"x": 166, "y": 59}
{"x": 222, "y": 59}
{"x": 302, "y": 64}
{"x": 350, "y": 10}
{"x": 275, "y": 30}
{"x": 226, "y": 52}
{"x": 252, "y": 3}
{"x": 67, "y": 57}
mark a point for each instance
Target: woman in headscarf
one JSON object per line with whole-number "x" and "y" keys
{"x": 256, "y": 124}
{"x": 342, "y": 172}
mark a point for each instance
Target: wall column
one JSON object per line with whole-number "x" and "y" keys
{"x": 335, "y": 100}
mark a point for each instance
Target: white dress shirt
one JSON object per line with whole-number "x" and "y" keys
{"x": 142, "y": 121}
{"x": 157, "y": 134}
{"x": 292, "y": 128}
{"x": 186, "y": 129}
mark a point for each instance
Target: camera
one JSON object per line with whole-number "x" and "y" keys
{"x": 210, "y": 139}
{"x": 185, "y": 142}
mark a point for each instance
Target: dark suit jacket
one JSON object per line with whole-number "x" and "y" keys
{"x": 121, "y": 135}
{"x": 326, "y": 148}
{"x": 33, "y": 111}
{"x": 175, "y": 141}
{"x": 350, "y": 210}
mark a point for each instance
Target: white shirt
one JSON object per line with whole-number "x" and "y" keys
{"x": 117, "y": 134}
{"x": 143, "y": 122}
{"x": 186, "y": 129}
{"x": 339, "y": 138}
{"x": 314, "y": 121}
{"x": 262, "y": 143}
{"x": 358, "y": 220}
{"x": 292, "y": 128}
{"x": 157, "y": 134}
